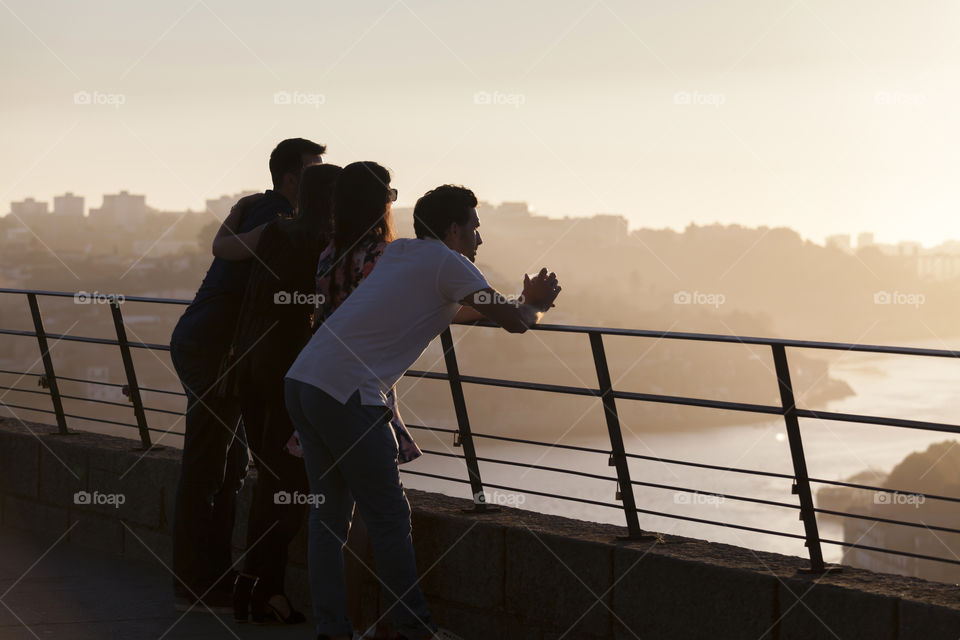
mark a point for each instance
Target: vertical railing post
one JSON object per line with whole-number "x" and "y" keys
{"x": 49, "y": 376}
{"x": 133, "y": 389}
{"x": 802, "y": 485}
{"x": 465, "y": 436}
{"x": 618, "y": 452}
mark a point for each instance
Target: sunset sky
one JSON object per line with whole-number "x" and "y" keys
{"x": 829, "y": 117}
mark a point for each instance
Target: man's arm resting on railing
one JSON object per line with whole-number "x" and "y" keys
{"x": 515, "y": 315}
{"x": 230, "y": 245}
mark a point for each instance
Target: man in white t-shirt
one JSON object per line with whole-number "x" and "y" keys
{"x": 336, "y": 395}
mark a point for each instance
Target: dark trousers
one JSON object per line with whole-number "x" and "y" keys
{"x": 213, "y": 467}
{"x": 275, "y": 514}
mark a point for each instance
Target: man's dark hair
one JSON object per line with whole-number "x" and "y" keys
{"x": 438, "y": 208}
{"x": 287, "y": 157}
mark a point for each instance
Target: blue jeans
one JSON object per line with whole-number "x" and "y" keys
{"x": 351, "y": 454}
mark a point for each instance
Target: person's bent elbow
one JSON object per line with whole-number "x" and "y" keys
{"x": 517, "y": 326}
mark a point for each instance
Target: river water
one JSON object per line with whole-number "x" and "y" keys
{"x": 893, "y": 386}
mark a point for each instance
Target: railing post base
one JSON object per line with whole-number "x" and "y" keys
{"x": 641, "y": 536}
{"x": 480, "y": 509}
{"x": 820, "y": 572}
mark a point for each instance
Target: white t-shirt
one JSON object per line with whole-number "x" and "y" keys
{"x": 381, "y": 329}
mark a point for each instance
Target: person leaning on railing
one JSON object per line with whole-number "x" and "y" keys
{"x": 337, "y": 395}
{"x": 214, "y": 456}
{"x": 273, "y": 324}
{"x": 363, "y": 228}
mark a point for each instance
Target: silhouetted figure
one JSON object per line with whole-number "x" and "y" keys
{"x": 364, "y": 227}
{"x": 338, "y": 387}
{"x": 214, "y": 456}
{"x": 273, "y": 326}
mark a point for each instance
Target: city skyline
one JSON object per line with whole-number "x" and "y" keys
{"x": 777, "y": 114}
{"x": 71, "y": 204}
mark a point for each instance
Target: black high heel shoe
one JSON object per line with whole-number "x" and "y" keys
{"x": 275, "y": 609}
{"x": 243, "y": 595}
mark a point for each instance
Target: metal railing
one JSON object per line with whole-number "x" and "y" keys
{"x": 618, "y": 457}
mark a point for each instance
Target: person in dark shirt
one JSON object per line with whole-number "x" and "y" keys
{"x": 274, "y": 324}
{"x": 214, "y": 451}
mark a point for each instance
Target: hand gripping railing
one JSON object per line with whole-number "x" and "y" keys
{"x": 616, "y": 454}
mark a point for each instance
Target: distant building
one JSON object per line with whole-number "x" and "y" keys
{"x": 221, "y": 206}
{"x": 28, "y": 207}
{"x": 839, "y": 241}
{"x": 68, "y": 205}
{"x": 122, "y": 209}
{"x": 516, "y": 209}
{"x": 865, "y": 240}
{"x": 939, "y": 266}
{"x": 909, "y": 249}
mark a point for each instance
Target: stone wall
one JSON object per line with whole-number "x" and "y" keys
{"x": 510, "y": 574}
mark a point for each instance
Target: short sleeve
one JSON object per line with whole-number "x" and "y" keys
{"x": 458, "y": 277}
{"x": 257, "y": 214}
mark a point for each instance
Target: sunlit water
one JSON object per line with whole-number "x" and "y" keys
{"x": 892, "y": 386}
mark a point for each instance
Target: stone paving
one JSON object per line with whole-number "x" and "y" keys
{"x": 50, "y": 589}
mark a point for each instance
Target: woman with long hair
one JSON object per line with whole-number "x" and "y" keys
{"x": 363, "y": 226}
{"x": 273, "y": 325}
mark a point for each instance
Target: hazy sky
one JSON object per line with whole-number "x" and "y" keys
{"x": 825, "y": 116}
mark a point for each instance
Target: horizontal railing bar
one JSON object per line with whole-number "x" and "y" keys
{"x": 699, "y": 402}
{"x": 425, "y": 428}
{"x": 904, "y": 523}
{"x": 167, "y": 391}
{"x": 726, "y": 496}
{"x": 101, "y": 383}
{"x": 70, "y": 415}
{"x": 888, "y": 422}
{"x": 434, "y": 475}
{"x": 59, "y": 336}
{"x": 66, "y": 294}
{"x": 68, "y": 338}
{"x": 721, "y": 524}
{"x": 508, "y": 384}
{"x": 712, "y": 337}
{"x": 95, "y": 400}
{"x": 909, "y": 554}
{"x": 540, "y": 467}
{"x": 445, "y": 454}
{"x": 89, "y": 419}
{"x": 7, "y": 405}
{"x": 704, "y": 465}
{"x": 22, "y": 390}
{"x": 118, "y": 385}
{"x": 884, "y": 489}
{"x": 18, "y": 332}
{"x": 554, "y": 495}
{"x": 571, "y": 447}
{"x": 156, "y": 410}
{"x": 22, "y": 373}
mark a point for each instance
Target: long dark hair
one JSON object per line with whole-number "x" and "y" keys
{"x": 361, "y": 214}
{"x": 313, "y": 225}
